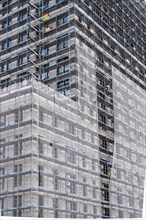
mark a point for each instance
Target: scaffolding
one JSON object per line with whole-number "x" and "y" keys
{"x": 55, "y": 159}
{"x": 62, "y": 152}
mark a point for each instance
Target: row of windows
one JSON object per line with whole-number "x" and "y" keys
{"x": 61, "y": 44}
{"x": 70, "y": 206}
{"x": 73, "y": 158}
{"x": 24, "y": 15}
{"x": 8, "y": 22}
{"x": 70, "y": 157}
{"x": 22, "y": 60}
{"x": 18, "y": 117}
{"x": 5, "y": 83}
{"x": 105, "y": 197}
{"x": 7, "y": 3}
{"x": 8, "y": 42}
{"x": 69, "y": 128}
{"x": 71, "y": 187}
{"x": 62, "y": 84}
{"x": 22, "y": 2}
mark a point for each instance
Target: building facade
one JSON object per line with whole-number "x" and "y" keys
{"x": 82, "y": 156}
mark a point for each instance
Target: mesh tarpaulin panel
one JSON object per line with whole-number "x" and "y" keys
{"x": 130, "y": 146}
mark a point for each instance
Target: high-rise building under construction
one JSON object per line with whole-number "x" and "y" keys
{"x": 82, "y": 153}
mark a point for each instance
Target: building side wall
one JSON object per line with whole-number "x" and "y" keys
{"x": 129, "y": 149}
{"x": 60, "y": 163}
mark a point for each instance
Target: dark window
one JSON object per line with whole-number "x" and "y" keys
{"x": 40, "y": 213}
{"x": 93, "y": 166}
{"x": 22, "y": 2}
{"x": 95, "y": 210}
{"x": 62, "y": 21}
{"x": 41, "y": 150}
{"x": 18, "y": 175}
{"x": 6, "y": 23}
{"x": 55, "y": 206}
{"x": 105, "y": 195}
{"x": 44, "y": 52}
{"x": 22, "y": 16}
{"x": 56, "y": 182}
{"x": 71, "y": 157}
{"x": 62, "y": 60}
{"x": 103, "y": 143}
{"x": 104, "y": 168}
{"x": 55, "y": 152}
{"x": 72, "y": 186}
{"x": 84, "y": 162}
{"x": 120, "y": 199}
{"x": 17, "y": 201}
{"x": 6, "y": 3}
{"x": 106, "y": 186}
{"x": 131, "y": 201}
{"x": 101, "y": 95}
{"x": 2, "y": 205}
{"x": 102, "y": 118}
{"x": 62, "y": 84}
{"x": 24, "y": 75}
{"x": 41, "y": 200}
{"x": 2, "y": 152}
{"x": 46, "y": 65}
{"x": 19, "y": 116}
{"x": 79, "y": 19}
{"x": 62, "y": 44}
{"x": 84, "y": 190}
{"x": 40, "y": 175}
{"x": 23, "y": 59}
{"x": 2, "y": 172}
{"x": 55, "y": 203}
{"x": 105, "y": 212}
{"x": 46, "y": 3}
{"x": 120, "y": 213}
{"x": 94, "y": 192}
{"x": 18, "y": 148}
{"x": 6, "y": 44}
{"x": 55, "y": 179}
{"x": 63, "y": 69}
{"x": 85, "y": 208}
{"x": 72, "y": 205}
{"x": 44, "y": 75}
{"x": 23, "y": 37}
{"x": 4, "y": 83}
{"x": 5, "y": 67}
{"x": 3, "y": 121}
